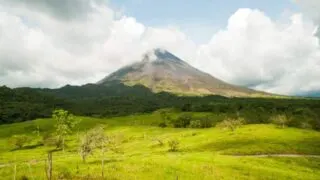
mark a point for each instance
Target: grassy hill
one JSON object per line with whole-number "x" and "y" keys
{"x": 202, "y": 154}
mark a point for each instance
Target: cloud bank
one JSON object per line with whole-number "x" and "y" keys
{"x": 50, "y": 44}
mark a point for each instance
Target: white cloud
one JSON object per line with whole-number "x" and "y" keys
{"x": 42, "y": 48}
{"x": 256, "y": 51}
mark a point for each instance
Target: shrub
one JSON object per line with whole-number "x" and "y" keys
{"x": 18, "y": 140}
{"x": 114, "y": 143}
{"x": 231, "y": 123}
{"x": 182, "y": 121}
{"x": 24, "y": 177}
{"x": 165, "y": 114}
{"x": 162, "y": 125}
{"x": 206, "y": 122}
{"x": 195, "y": 124}
{"x": 159, "y": 141}
{"x": 64, "y": 175}
{"x": 305, "y": 125}
{"x": 280, "y": 120}
{"x": 173, "y": 145}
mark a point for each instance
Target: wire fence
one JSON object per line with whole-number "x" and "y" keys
{"x": 33, "y": 161}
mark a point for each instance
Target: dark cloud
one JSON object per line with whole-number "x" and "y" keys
{"x": 62, "y": 9}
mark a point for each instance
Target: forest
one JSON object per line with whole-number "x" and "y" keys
{"x": 24, "y": 104}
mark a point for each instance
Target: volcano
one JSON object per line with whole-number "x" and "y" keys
{"x": 160, "y": 70}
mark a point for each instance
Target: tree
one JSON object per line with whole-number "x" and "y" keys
{"x": 183, "y": 121}
{"x": 18, "y": 140}
{"x": 86, "y": 147}
{"x": 195, "y": 124}
{"x": 164, "y": 114}
{"x": 65, "y": 122}
{"x": 37, "y": 131}
{"x": 231, "y": 123}
{"x": 206, "y": 122}
{"x": 94, "y": 139}
{"x": 101, "y": 142}
{"x": 280, "y": 120}
{"x": 165, "y": 117}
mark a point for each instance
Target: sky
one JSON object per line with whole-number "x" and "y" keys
{"x": 198, "y": 19}
{"x": 269, "y": 45}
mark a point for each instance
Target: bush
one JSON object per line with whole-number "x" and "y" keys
{"x": 173, "y": 145}
{"x": 159, "y": 141}
{"x": 162, "y": 125}
{"x": 195, "y": 124}
{"x": 206, "y": 122}
{"x": 182, "y": 121}
{"x": 64, "y": 175}
{"x": 280, "y": 120}
{"x": 24, "y": 177}
{"x": 305, "y": 125}
{"x": 18, "y": 140}
{"x": 231, "y": 124}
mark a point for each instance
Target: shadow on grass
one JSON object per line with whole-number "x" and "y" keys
{"x": 312, "y": 163}
{"x": 264, "y": 146}
{"x": 27, "y": 147}
{"x": 105, "y": 161}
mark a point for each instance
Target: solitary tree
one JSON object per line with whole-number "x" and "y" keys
{"x": 280, "y": 120}
{"x": 65, "y": 122}
{"x": 86, "y": 146}
{"x": 94, "y": 139}
{"x": 101, "y": 142}
{"x": 231, "y": 124}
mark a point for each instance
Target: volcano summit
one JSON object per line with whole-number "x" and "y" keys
{"x": 160, "y": 71}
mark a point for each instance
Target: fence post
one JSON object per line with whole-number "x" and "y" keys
{"x": 15, "y": 171}
{"x": 29, "y": 164}
{"x": 49, "y": 166}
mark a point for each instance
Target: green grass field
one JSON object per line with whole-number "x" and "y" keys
{"x": 203, "y": 153}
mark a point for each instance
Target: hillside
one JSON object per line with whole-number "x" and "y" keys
{"x": 202, "y": 153}
{"x": 22, "y": 104}
{"x": 159, "y": 70}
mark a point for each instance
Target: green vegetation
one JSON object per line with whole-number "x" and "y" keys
{"x": 173, "y": 145}
{"x": 114, "y": 100}
{"x": 231, "y": 124}
{"x": 18, "y": 141}
{"x": 134, "y": 147}
{"x": 64, "y": 124}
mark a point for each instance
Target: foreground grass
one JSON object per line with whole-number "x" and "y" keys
{"x": 203, "y": 153}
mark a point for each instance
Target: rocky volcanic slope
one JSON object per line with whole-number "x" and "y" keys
{"x": 160, "y": 70}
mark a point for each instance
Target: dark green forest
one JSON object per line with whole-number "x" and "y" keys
{"x": 23, "y": 104}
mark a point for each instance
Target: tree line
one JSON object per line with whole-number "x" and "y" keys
{"x": 23, "y": 104}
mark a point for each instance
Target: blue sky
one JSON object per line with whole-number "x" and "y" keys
{"x": 199, "y": 19}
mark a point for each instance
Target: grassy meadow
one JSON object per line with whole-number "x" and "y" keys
{"x": 142, "y": 152}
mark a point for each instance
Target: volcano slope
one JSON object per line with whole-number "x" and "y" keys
{"x": 160, "y": 70}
